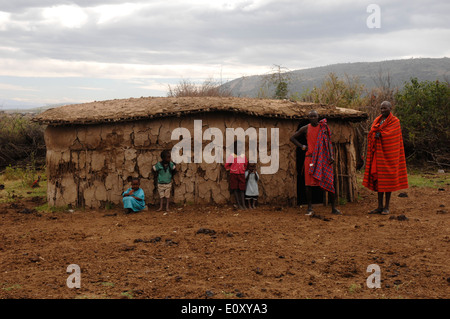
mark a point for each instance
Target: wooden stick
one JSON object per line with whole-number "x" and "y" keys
{"x": 350, "y": 168}
{"x": 336, "y": 196}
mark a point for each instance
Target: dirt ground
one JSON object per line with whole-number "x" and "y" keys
{"x": 199, "y": 252}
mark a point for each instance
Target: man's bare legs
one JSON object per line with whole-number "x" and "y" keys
{"x": 310, "y": 212}
{"x": 334, "y": 210}
{"x": 385, "y": 209}
{"x": 382, "y": 209}
{"x": 309, "y": 200}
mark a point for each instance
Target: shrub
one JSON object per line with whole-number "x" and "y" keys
{"x": 187, "y": 88}
{"x": 424, "y": 111}
{"x": 11, "y": 173}
{"x": 347, "y": 93}
{"x": 20, "y": 139}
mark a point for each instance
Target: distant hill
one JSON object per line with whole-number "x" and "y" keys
{"x": 399, "y": 72}
{"x": 9, "y": 105}
{"x": 12, "y": 106}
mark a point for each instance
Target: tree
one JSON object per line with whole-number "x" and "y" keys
{"x": 334, "y": 91}
{"x": 277, "y": 82}
{"x": 424, "y": 111}
{"x": 281, "y": 91}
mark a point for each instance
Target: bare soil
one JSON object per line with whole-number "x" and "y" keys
{"x": 214, "y": 252}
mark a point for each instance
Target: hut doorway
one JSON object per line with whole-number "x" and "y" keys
{"x": 317, "y": 192}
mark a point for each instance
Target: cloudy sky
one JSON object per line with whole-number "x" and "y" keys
{"x": 85, "y": 50}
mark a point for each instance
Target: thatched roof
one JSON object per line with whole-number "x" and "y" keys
{"x": 158, "y": 107}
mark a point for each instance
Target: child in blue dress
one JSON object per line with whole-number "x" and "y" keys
{"x": 133, "y": 198}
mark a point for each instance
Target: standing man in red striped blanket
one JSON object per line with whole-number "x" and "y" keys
{"x": 385, "y": 163}
{"x": 318, "y": 158}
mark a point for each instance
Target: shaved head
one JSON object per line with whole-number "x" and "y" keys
{"x": 386, "y": 104}
{"x": 385, "y": 108}
{"x": 313, "y": 117}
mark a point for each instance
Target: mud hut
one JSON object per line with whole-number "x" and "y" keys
{"x": 94, "y": 148}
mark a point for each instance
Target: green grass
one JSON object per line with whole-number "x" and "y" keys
{"x": 342, "y": 201}
{"x": 428, "y": 180}
{"x": 11, "y": 287}
{"x": 421, "y": 179}
{"x": 128, "y": 294}
{"x": 51, "y": 209}
{"x": 15, "y": 188}
{"x": 109, "y": 205}
{"x": 354, "y": 288}
{"x": 227, "y": 294}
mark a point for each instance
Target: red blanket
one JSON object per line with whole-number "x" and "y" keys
{"x": 322, "y": 169}
{"x": 385, "y": 164}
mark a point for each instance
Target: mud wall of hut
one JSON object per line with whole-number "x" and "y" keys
{"x": 90, "y": 165}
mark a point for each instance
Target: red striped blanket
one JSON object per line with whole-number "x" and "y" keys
{"x": 385, "y": 164}
{"x": 322, "y": 169}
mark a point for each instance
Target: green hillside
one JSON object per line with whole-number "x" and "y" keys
{"x": 368, "y": 73}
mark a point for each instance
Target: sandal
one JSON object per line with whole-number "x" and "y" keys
{"x": 385, "y": 212}
{"x": 310, "y": 213}
{"x": 376, "y": 211}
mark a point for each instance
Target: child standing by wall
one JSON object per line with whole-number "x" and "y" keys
{"x": 165, "y": 170}
{"x": 251, "y": 190}
{"x": 133, "y": 198}
{"x": 237, "y": 165}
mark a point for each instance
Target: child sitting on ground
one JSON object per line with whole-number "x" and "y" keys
{"x": 237, "y": 165}
{"x": 133, "y": 198}
{"x": 165, "y": 170}
{"x": 251, "y": 190}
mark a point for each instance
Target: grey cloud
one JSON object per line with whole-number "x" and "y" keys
{"x": 15, "y": 6}
{"x": 169, "y": 33}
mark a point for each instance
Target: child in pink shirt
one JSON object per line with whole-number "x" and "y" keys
{"x": 237, "y": 165}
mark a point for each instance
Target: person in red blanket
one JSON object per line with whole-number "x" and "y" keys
{"x": 236, "y": 165}
{"x": 385, "y": 164}
{"x": 318, "y": 158}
